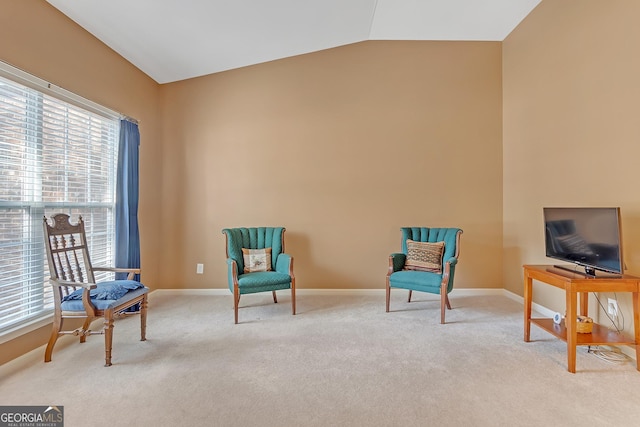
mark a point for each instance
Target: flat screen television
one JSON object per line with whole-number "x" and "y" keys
{"x": 589, "y": 237}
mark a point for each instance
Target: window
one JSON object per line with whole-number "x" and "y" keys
{"x": 55, "y": 156}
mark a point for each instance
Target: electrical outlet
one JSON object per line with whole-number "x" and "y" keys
{"x": 199, "y": 268}
{"x": 612, "y": 307}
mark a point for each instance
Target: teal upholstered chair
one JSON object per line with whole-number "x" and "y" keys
{"x": 241, "y": 275}
{"x": 399, "y": 276}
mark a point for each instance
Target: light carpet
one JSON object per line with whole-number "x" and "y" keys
{"x": 341, "y": 361}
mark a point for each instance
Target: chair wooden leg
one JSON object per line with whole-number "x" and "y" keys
{"x": 410, "y": 293}
{"x": 293, "y": 296}
{"x": 143, "y": 319}
{"x": 275, "y": 299}
{"x": 236, "y": 302}
{"x": 388, "y": 294}
{"x": 447, "y": 301}
{"x": 108, "y": 336}
{"x": 55, "y": 333}
{"x": 444, "y": 301}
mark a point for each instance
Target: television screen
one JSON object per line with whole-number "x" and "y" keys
{"x": 589, "y": 237}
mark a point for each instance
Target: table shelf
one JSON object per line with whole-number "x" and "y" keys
{"x": 600, "y": 335}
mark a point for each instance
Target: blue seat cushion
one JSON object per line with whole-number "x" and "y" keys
{"x": 105, "y": 295}
{"x": 262, "y": 281}
{"x": 113, "y": 289}
{"x": 416, "y": 280}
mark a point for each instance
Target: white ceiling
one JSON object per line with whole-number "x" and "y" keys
{"x": 173, "y": 40}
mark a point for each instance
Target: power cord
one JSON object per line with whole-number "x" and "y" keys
{"x": 619, "y": 328}
{"x": 618, "y": 322}
{"x": 609, "y": 354}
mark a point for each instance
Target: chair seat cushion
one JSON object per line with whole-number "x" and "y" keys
{"x": 416, "y": 280}
{"x": 261, "y": 281}
{"x": 104, "y": 304}
{"x": 111, "y": 290}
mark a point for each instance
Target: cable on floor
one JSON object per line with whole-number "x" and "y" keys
{"x": 609, "y": 354}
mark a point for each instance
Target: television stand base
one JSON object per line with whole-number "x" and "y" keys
{"x": 588, "y": 272}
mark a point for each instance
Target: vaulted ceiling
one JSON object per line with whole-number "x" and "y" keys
{"x": 173, "y": 40}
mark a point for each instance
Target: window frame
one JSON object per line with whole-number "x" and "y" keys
{"x": 36, "y": 210}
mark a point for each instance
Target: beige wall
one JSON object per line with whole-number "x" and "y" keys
{"x": 37, "y": 38}
{"x": 571, "y": 134}
{"x": 342, "y": 147}
{"x": 333, "y": 144}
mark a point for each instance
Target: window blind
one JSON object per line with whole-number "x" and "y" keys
{"x": 55, "y": 157}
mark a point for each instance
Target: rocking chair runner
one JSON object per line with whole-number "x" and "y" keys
{"x": 75, "y": 291}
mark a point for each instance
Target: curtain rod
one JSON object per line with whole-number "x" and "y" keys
{"x": 129, "y": 119}
{"x": 37, "y": 83}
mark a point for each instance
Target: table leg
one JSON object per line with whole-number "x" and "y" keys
{"x": 527, "y": 306}
{"x": 584, "y": 303}
{"x": 572, "y": 332}
{"x": 636, "y": 325}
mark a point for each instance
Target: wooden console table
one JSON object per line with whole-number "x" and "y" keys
{"x": 575, "y": 283}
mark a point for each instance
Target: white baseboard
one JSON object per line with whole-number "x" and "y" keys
{"x": 202, "y": 292}
{"x": 546, "y": 312}
{"x": 224, "y": 292}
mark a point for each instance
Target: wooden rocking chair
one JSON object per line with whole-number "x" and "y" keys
{"x": 75, "y": 291}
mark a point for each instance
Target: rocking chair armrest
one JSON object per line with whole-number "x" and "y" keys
{"x": 58, "y": 283}
{"x": 132, "y": 271}
{"x": 118, "y": 269}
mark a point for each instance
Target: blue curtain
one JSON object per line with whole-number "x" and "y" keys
{"x": 127, "y": 234}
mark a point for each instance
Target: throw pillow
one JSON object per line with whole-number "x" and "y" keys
{"x": 424, "y": 256}
{"x": 256, "y": 260}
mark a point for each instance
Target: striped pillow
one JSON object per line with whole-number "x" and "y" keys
{"x": 256, "y": 260}
{"x": 424, "y": 256}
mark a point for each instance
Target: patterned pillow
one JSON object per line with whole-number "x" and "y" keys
{"x": 256, "y": 259}
{"x": 424, "y": 256}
